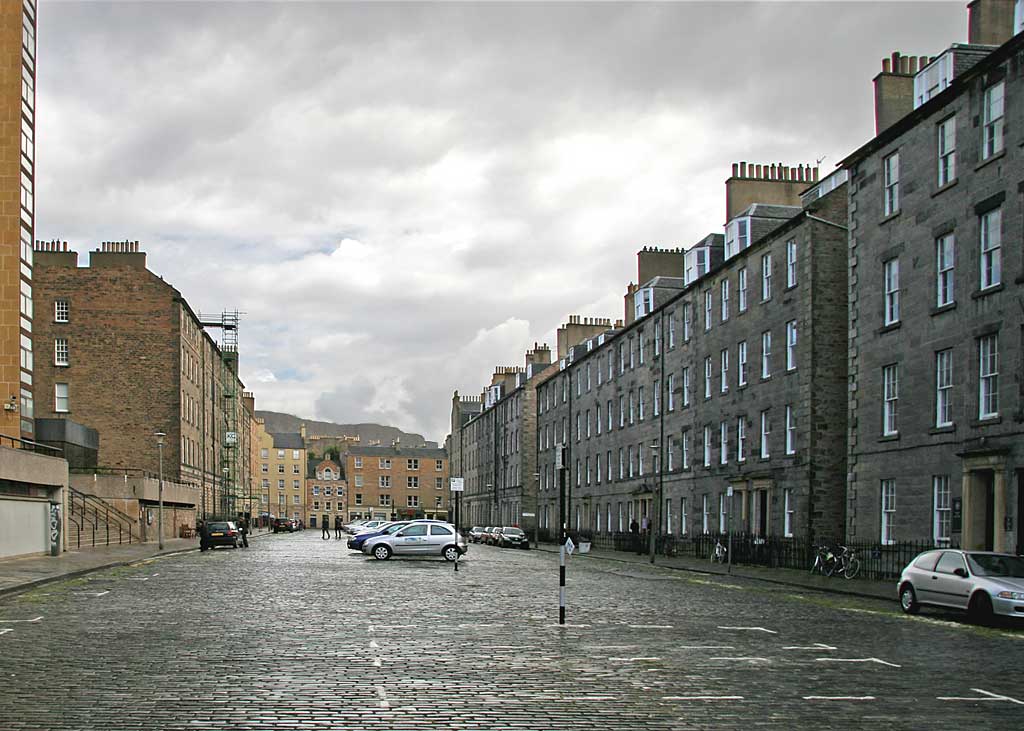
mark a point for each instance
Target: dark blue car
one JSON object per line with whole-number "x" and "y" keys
{"x": 356, "y": 542}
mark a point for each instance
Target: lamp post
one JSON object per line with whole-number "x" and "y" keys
{"x": 160, "y": 491}
{"x": 536, "y": 511}
{"x": 655, "y": 447}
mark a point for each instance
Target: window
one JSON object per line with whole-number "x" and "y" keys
{"x": 891, "y": 172}
{"x": 788, "y": 507}
{"x": 611, "y": 364}
{"x": 944, "y": 260}
{"x": 597, "y": 421}
{"x": 707, "y": 446}
{"x": 671, "y": 330}
{"x": 888, "y": 512}
{"x": 439, "y": 483}
{"x": 723, "y": 442}
{"x": 316, "y": 490}
{"x": 709, "y": 304}
{"x": 439, "y": 465}
{"x": 640, "y": 402}
{"x": 632, "y": 408}
{"x": 359, "y": 481}
{"x": 941, "y": 521}
{"x": 384, "y": 463}
{"x": 725, "y": 369}
{"x": 991, "y": 243}
{"x": 359, "y": 463}
{"x": 657, "y": 339}
{"x": 791, "y": 263}
{"x": 670, "y": 385}
{"x": 61, "y": 311}
{"x": 657, "y": 397}
{"x": 671, "y": 458}
{"x": 743, "y": 289}
{"x": 766, "y": 354}
{"x": 629, "y": 460}
{"x": 385, "y": 481}
{"x": 632, "y": 353}
{"x": 947, "y": 151}
{"x": 295, "y": 500}
{"x": 280, "y": 469}
{"x": 264, "y": 453}
{"x": 359, "y": 498}
{"x": 686, "y": 386}
{"x": 988, "y": 387}
{"x": 686, "y": 450}
{"x": 741, "y": 439}
{"x": 766, "y": 430}
{"x": 943, "y": 388}
{"x": 265, "y": 468}
{"x": 640, "y": 346}
{"x": 328, "y": 492}
{"x": 741, "y": 357}
{"x": 412, "y": 482}
{"x": 790, "y": 431}
{"x": 687, "y": 318}
{"x": 60, "y": 397}
{"x": 725, "y": 300}
{"x": 723, "y": 513}
{"x": 707, "y": 377}
{"x": 622, "y": 465}
{"x": 60, "y": 351}
{"x": 766, "y": 277}
{"x": 412, "y": 501}
{"x": 890, "y": 396}
{"x": 295, "y": 469}
{"x": 608, "y": 410}
{"x": 791, "y": 345}
{"x": 295, "y": 484}
{"x": 705, "y": 514}
{"x": 682, "y": 516}
{"x": 622, "y": 360}
{"x": 412, "y": 464}
{"x": 992, "y": 109}
{"x": 892, "y": 291}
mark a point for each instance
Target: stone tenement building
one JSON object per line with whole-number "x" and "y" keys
{"x": 281, "y": 471}
{"x": 935, "y": 307}
{"x": 121, "y": 351}
{"x": 326, "y": 493}
{"x": 395, "y": 483}
{"x": 740, "y": 375}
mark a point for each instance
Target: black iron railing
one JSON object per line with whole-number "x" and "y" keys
{"x": 98, "y": 522}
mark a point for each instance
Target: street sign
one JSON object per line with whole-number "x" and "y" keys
{"x": 529, "y": 515}
{"x": 569, "y": 546}
{"x": 458, "y": 484}
{"x": 231, "y": 438}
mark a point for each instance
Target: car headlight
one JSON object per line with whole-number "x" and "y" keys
{"x": 1018, "y": 595}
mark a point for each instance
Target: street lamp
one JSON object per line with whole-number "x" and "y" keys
{"x": 655, "y": 447}
{"x": 160, "y": 490}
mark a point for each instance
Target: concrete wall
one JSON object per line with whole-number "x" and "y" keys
{"x": 23, "y": 527}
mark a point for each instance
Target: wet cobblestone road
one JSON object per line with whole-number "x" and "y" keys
{"x": 299, "y": 633}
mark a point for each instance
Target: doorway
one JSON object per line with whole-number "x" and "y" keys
{"x": 979, "y": 511}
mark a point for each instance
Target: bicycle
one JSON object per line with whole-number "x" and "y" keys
{"x": 848, "y": 564}
{"x": 718, "y": 554}
{"x": 824, "y": 561}
{"x": 668, "y": 546}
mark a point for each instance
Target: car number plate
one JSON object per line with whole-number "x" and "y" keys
{"x": 216, "y": 534}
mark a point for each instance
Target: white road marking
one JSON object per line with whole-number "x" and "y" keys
{"x": 634, "y": 659}
{"x": 577, "y": 626}
{"x": 91, "y": 593}
{"x": 991, "y": 697}
{"x": 5, "y": 630}
{"x": 382, "y": 694}
{"x": 396, "y": 626}
{"x": 702, "y": 697}
{"x": 376, "y": 662}
{"x": 373, "y": 643}
{"x": 37, "y": 619}
{"x": 649, "y": 626}
{"x": 857, "y": 659}
{"x": 816, "y": 647}
{"x": 484, "y": 624}
{"x": 138, "y": 578}
{"x": 839, "y": 698}
{"x": 705, "y": 647}
{"x": 742, "y": 659}
{"x": 752, "y": 629}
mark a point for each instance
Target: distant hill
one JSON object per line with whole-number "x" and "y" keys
{"x": 277, "y": 422}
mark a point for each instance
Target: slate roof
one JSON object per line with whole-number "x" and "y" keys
{"x": 288, "y": 441}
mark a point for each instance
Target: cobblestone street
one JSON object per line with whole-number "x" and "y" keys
{"x": 299, "y": 633}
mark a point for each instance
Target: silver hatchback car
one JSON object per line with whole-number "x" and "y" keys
{"x": 980, "y": 582}
{"x": 418, "y": 539}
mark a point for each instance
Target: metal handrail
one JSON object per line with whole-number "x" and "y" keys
{"x": 29, "y": 445}
{"x": 110, "y": 516}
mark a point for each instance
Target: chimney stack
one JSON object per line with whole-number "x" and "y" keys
{"x": 990, "y": 22}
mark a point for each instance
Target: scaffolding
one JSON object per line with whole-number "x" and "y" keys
{"x": 227, "y": 438}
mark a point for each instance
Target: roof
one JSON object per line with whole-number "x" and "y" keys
{"x": 288, "y": 441}
{"x": 400, "y": 451}
{"x": 958, "y": 85}
{"x": 770, "y": 210}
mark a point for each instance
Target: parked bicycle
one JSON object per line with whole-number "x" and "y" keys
{"x": 847, "y": 563}
{"x": 824, "y": 561}
{"x": 719, "y": 553}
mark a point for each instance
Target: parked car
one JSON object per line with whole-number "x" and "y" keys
{"x": 355, "y": 542}
{"x": 354, "y": 526}
{"x": 475, "y": 534}
{"x": 222, "y": 533}
{"x": 488, "y": 536}
{"x": 982, "y": 583}
{"x": 285, "y": 524}
{"x": 371, "y": 525}
{"x": 513, "y": 538}
{"x": 419, "y": 538}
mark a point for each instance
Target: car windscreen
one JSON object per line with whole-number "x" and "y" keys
{"x": 986, "y": 564}
{"x": 394, "y": 528}
{"x": 512, "y": 532}
{"x": 218, "y": 526}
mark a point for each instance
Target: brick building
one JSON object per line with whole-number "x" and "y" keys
{"x": 281, "y": 471}
{"x": 326, "y": 493}
{"x": 121, "y": 351}
{"x": 740, "y": 374}
{"x": 935, "y": 320}
{"x": 392, "y": 483}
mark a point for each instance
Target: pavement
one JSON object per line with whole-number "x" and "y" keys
{"x": 21, "y": 574}
{"x": 298, "y": 634}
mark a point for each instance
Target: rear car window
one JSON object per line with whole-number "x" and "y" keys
{"x": 415, "y": 530}
{"x": 439, "y": 530}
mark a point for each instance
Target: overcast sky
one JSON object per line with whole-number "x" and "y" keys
{"x": 402, "y": 196}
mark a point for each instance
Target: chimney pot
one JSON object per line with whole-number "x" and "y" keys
{"x": 735, "y": 170}
{"x": 743, "y": 169}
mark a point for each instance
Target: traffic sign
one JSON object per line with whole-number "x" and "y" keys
{"x": 458, "y": 484}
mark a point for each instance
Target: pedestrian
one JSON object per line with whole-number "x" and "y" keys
{"x": 634, "y": 530}
{"x": 326, "y": 533}
{"x": 243, "y": 529}
{"x": 204, "y": 538}
{"x": 644, "y": 525}
{"x": 337, "y": 526}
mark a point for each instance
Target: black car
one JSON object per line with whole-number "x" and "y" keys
{"x": 222, "y": 533}
{"x": 285, "y": 524}
{"x": 513, "y": 538}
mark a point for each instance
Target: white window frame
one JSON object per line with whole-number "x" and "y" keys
{"x": 890, "y": 399}
{"x": 741, "y": 359}
{"x": 709, "y": 308}
{"x": 742, "y": 289}
{"x": 61, "y": 398}
{"x": 791, "y": 263}
{"x": 891, "y": 183}
{"x": 707, "y": 445}
{"x": 766, "y": 431}
{"x": 725, "y": 299}
{"x": 705, "y": 514}
{"x": 61, "y": 310}
{"x": 766, "y": 354}
{"x": 683, "y": 517}
{"x": 888, "y": 509}
{"x": 790, "y": 430}
{"x": 725, "y": 370}
{"x": 766, "y": 277}
{"x": 791, "y": 336}
{"x": 723, "y": 442}
{"x": 788, "y": 512}
{"x": 988, "y": 376}
{"x": 741, "y": 439}
{"x": 61, "y": 352}
{"x": 990, "y": 225}
{"x": 941, "y": 510}
{"x": 993, "y": 108}
{"x": 686, "y": 386}
{"x": 945, "y": 271}
{"x": 891, "y": 273}
{"x": 944, "y": 388}
{"x": 707, "y": 377}
{"x": 685, "y": 446}
{"x": 670, "y": 384}
{"x": 946, "y": 150}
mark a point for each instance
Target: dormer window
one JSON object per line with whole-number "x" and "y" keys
{"x": 643, "y": 302}
{"x": 1018, "y": 17}
{"x": 933, "y": 78}
{"x": 737, "y": 236}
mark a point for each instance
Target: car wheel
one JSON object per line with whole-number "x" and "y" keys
{"x": 382, "y": 552}
{"x": 908, "y": 600}
{"x": 980, "y": 608}
{"x": 450, "y": 553}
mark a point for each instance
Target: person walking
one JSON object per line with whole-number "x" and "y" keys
{"x": 243, "y": 529}
{"x": 326, "y": 530}
{"x": 204, "y": 538}
{"x": 634, "y": 529}
{"x": 337, "y": 526}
